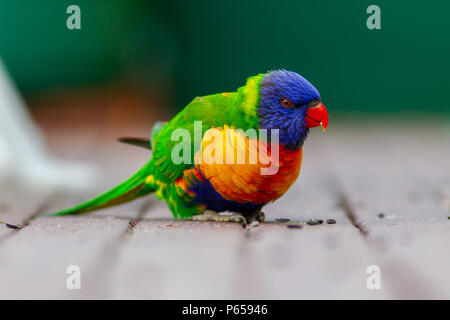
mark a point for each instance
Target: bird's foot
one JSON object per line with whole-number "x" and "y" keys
{"x": 210, "y": 215}
{"x": 255, "y": 215}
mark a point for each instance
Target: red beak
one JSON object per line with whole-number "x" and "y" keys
{"x": 316, "y": 116}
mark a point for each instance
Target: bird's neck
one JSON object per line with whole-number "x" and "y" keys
{"x": 291, "y": 132}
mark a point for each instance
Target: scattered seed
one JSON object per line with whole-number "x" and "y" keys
{"x": 381, "y": 215}
{"x": 13, "y": 226}
{"x": 313, "y": 222}
{"x": 294, "y": 225}
{"x": 282, "y": 220}
{"x": 331, "y": 221}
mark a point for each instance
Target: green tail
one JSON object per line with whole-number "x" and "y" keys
{"x": 128, "y": 190}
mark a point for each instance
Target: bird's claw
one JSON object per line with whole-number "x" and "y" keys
{"x": 214, "y": 216}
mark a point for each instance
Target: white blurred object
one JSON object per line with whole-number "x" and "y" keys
{"x": 24, "y": 157}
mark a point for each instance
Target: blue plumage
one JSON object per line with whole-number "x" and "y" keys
{"x": 206, "y": 194}
{"x": 282, "y": 84}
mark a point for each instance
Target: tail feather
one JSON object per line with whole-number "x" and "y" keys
{"x": 140, "y": 142}
{"x": 128, "y": 190}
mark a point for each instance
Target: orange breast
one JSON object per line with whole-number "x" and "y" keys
{"x": 243, "y": 169}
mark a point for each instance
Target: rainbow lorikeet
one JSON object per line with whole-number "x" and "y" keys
{"x": 281, "y": 101}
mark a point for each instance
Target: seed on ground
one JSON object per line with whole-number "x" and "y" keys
{"x": 12, "y": 226}
{"x": 295, "y": 225}
{"x": 331, "y": 221}
{"x": 314, "y": 222}
{"x": 282, "y": 220}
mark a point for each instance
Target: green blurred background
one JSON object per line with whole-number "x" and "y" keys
{"x": 200, "y": 47}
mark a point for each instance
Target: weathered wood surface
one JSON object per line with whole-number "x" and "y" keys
{"x": 350, "y": 174}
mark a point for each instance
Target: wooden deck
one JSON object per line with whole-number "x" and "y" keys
{"x": 387, "y": 185}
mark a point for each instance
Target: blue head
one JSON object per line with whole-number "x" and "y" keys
{"x": 285, "y": 99}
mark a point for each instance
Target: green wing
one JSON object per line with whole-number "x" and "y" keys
{"x": 213, "y": 111}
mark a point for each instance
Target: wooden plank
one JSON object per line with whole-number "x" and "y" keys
{"x": 35, "y": 260}
{"x": 200, "y": 260}
{"x": 376, "y": 171}
{"x": 387, "y": 172}
{"x": 414, "y": 258}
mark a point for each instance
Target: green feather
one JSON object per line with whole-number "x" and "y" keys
{"x": 130, "y": 189}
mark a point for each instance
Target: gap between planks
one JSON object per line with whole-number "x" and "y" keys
{"x": 15, "y": 228}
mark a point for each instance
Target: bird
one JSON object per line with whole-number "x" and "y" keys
{"x": 194, "y": 176}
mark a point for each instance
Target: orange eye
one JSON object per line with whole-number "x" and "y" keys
{"x": 286, "y": 103}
